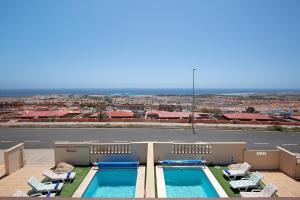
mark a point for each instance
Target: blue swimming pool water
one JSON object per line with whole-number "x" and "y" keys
{"x": 188, "y": 183}
{"x": 112, "y": 183}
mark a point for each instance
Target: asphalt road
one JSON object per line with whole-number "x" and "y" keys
{"x": 45, "y": 137}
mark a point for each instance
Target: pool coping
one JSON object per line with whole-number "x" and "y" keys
{"x": 161, "y": 187}
{"x": 140, "y": 182}
{"x": 160, "y": 182}
{"x": 139, "y": 188}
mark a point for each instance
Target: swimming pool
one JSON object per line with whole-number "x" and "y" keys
{"x": 185, "y": 182}
{"x": 112, "y": 183}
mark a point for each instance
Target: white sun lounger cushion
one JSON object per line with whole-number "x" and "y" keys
{"x": 44, "y": 187}
{"x": 54, "y": 176}
{"x": 252, "y": 182}
{"x": 268, "y": 191}
{"x": 21, "y": 193}
{"x": 241, "y": 171}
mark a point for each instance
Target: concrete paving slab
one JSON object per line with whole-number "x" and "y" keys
{"x": 18, "y": 180}
{"x": 287, "y": 187}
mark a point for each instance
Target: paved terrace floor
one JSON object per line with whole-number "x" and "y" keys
{"x": 287, "y": 187}
{"x": 18, "y": 180}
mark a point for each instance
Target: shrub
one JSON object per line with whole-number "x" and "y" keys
{"x": 276, "y": 128}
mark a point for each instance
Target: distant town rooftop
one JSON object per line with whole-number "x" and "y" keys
{"x": 117, "y": 114}
{"x": 169, "y": 115}
{"x": 41, "y": 114}
{"x": 247, "y": 116}
{"x": 295, "y": 117}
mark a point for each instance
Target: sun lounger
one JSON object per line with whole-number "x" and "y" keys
{"x": 247, "y": 183}
{"x": 268, "y": 191}
{"x": 59, "y": 177}
{"x": 240, "y": 172}
{"x": 44, "y": 187}
{"x": 20, "y": 193}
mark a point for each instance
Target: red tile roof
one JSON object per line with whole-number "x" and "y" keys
{"x": 247, "y": 116}
{"x": 48, "y": 113}
{"x": 120, "y": 114}
{"x": 169, "y": 115}
{"x": 295, "y": 117}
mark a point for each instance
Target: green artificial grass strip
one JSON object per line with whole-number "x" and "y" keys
{"x": 70, "y": 187}
{"x": 218, "y": 173}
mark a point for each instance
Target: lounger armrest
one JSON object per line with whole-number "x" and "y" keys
{"x": 36, "y": 195}
{"x": 48, "y": 183}
{"x": 244, "y": 178}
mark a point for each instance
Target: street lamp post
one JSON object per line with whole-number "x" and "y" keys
{"x": 193, "y": 106}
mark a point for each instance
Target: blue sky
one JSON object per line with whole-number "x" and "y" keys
{"x": 149, "y": 44}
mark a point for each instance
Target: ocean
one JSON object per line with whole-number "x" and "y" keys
{"x": 140, "y": 91}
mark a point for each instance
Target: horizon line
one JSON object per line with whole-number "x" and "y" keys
{"x": 97, "y": 88}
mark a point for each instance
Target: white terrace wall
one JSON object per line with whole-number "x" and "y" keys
{"x": 14, "y": 158}
{"x": 86, "y": 153}
{"x": 262, "y": 159}
{"x": 288, "y": 162}
{"x": 227, "y": 152}
{"x": 74, "y": 153}
{"x": 218, "y": 153}
{"x": 120, "y": 152}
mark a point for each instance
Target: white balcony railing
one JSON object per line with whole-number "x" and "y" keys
{"x": 191, "y": 148}
{"x": 111, "y": 148}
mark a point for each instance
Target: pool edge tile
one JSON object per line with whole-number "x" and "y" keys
{"x": 160, "y": 183}
{"x": 140, "y": 182}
